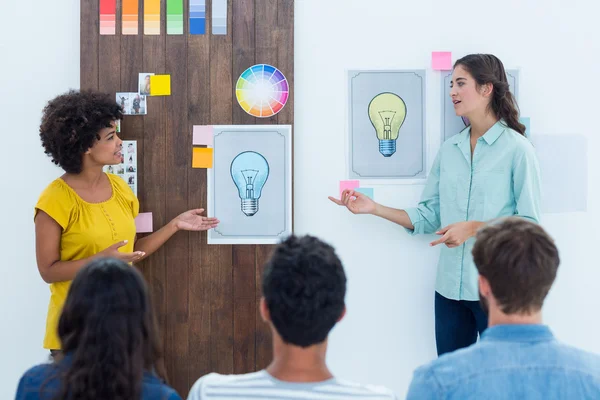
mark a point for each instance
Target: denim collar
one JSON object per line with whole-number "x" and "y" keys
{"x": 518, "y": 333}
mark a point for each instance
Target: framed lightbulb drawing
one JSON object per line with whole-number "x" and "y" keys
{"x": 386, "y": 126}
{"x": 250, "y": 185}
{"x": 452, "y": 123}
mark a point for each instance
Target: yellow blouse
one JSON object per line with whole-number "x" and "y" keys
{"x": 87, "y": 229}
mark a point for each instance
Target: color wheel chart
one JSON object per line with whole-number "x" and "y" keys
{"x": 262, "y": 90}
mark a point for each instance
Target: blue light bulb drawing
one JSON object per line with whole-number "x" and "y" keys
{"x": 249, "y": 171}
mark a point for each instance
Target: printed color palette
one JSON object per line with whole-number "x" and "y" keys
{"x": 262, "y": 90}
{"x": 174, "y": 17}
{"x": 151, "y": 17}
{"x": 108, "y": 17}
{"x": 197, "y": 17}
{"x": 130, "y": 17}
{"x": 219, "y": 17}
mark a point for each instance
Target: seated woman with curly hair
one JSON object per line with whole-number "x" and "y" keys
{"x": 86, "y": 214}
{"x": 110, "y": 346}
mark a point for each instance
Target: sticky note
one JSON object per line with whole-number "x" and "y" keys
{"x": 160, "y": 85}
{"x": 441, "y": 60}
{"x": 366, "y": 191}
{"x": 350, "y": 185}
{"x": 526, "y": 121}
{"x": 143, "y": 222}
{"x": 202, "y": 157}
{"x": 203, "y": 135}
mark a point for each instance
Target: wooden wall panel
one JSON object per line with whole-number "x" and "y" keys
{"x": 206, "y": 297}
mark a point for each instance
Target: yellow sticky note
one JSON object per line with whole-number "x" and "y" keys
{"x": 160, "y": 85}
{"x": 202, "y": 157}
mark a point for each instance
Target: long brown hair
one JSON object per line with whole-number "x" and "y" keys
{"x": 487, "y": 68}
{"x": 108, "y": 329}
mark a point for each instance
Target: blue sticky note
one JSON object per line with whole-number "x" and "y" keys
{"x": 366, "y": 191}
{"x": 526, "y": 121}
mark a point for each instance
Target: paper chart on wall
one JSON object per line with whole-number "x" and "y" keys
{"x": 127, "y": 168}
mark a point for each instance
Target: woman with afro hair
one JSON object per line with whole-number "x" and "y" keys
{"x": 87, "y": 214}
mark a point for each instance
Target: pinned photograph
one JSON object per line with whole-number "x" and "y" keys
{"x": 132, "y": 103}
{"x": 144, "y": 83}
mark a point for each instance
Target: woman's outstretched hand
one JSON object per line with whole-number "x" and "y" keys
{"x": 356, "y": 202}
{"x": 192, "y": 221}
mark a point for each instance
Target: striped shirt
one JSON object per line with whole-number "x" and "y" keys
{"x": 261, "y": 385}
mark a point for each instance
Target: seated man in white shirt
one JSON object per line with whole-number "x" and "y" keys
{"x": 303, "y": 286}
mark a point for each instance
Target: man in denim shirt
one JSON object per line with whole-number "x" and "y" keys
{"x": 517, "y": 357}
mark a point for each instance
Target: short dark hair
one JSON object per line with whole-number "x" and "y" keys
{"x": 71, "y": 124}
{"x": 520, "y": 261}
{"x": 304, "y": 286}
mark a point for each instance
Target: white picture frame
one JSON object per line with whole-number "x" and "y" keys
{"x": 241, "y": 155}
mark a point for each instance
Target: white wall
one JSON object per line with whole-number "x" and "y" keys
{"x": 389, "y": 327}
{"x": 39, "y": 58}
{"x": 388, "y": 330}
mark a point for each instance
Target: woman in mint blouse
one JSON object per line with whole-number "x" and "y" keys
{"x": 487, "y": 171}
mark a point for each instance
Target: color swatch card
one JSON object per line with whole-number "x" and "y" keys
{"x": 441, "y": 61}
{"x": 143, "y": 222}
{"x": 108, "y": 17}
{"x": 203, "y": 135}
{"x": 174, "y": 17}
{"x": 151, "y": 17}
{"x": 197, "y": 17}
{"x": 130, "y": 17}
{"x": 160, "y": 85}
{"x": 202, "y": 157}
{"x": 219, "y": 17}
{"x": 262, "y": 90}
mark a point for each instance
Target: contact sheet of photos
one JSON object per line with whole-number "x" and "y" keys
{"x": 127, "y": 168}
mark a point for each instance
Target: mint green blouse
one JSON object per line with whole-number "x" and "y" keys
{"x": 502, "y": 179}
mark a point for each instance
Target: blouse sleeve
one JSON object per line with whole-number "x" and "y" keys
{"x": 57, "y": 202}
{"x": 526, "y": 185}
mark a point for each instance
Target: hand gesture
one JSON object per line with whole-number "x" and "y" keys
{"x": 192, "y": 221}
{"x": 356, "y": 202}
{"x": 113, "y": 252}
{"x": 455, "y": 234}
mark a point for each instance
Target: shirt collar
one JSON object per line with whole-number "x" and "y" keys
{"x": 518, "y": 333}
{"x": 490, "y": 136}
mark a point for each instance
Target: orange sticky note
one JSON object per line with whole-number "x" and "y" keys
{"x": 202, "y": 157}
{"x": 160, "y": 85}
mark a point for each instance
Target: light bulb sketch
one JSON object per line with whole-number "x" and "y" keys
{"x": 387, "y": 112}
{"x": 249, "y": 171}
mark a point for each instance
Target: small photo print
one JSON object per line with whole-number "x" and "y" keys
{"x": 110, "y": 169}
{"x": 120, "y": 170}
{"x": 130, "y": 148}
{"x": 132, "y": 103}
{"x": 144, "y": 83}
{"x": 131, "y": 180}
{"x": 131, "y": 169}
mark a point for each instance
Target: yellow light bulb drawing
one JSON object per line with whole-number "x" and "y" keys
{"x": 387, "y": 112}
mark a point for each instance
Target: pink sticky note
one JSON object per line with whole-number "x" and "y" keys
{"x": 350, "y": 185}
{"x": 143, "y": 222}
{"x": 441, "y": 60}
{"x": 203, "y": 135}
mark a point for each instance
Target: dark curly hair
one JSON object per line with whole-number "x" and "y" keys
{"x": 304, "y": 286}
{"x": 487, "y": 68}
{"x": 107, "y": 329}
{"x": 71, "y": 124}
